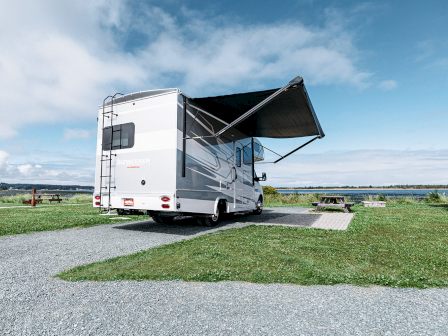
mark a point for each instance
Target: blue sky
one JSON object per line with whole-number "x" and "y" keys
{"x": 376, "y": 72}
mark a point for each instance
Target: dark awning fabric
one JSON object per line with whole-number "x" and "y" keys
{"x": 288, "y": 115}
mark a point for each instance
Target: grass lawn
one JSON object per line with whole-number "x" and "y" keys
{"x": 7, "y": 205}
{"x": 401, "y": 245}
{"x": 25, "y": 220}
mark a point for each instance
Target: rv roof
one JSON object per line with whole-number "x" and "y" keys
{"x": 140, "y": 95}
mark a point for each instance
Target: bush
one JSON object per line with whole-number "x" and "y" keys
{"x": 279, "y": 199}
{"x": 433, "y": 197}
{"x": 381, "y": 197}
{"x": 81, "y": 198}
{"x": 17, "y": 198}
{"x": 268, "y": 190}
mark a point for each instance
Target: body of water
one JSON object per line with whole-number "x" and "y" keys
{"x": 360, "y": 194}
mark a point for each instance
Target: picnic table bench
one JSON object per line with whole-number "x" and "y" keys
{"x": 333, "y": 202}
{"x": 33, "y": 200}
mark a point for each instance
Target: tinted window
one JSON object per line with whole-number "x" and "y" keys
{"x": 238, "y": 157}
{"x": 247, "y": 156}
{"x": 122, "y": 136}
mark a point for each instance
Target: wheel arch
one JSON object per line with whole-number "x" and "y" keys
{"x": 221, "y": 199}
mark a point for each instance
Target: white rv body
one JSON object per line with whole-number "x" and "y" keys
{"x": 163, "y": 147}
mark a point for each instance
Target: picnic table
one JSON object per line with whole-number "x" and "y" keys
{"x": 333, "y": 201}
{"x": 33, "y": 200}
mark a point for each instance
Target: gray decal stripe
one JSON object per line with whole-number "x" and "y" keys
{"x": 203, "y": 196}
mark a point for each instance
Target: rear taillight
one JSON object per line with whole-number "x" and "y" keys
{"x": 97, "y": 203}
{"x": 97, "y": 197}
{"x": 165, "y": 199}
{"x": 165, "y": 206}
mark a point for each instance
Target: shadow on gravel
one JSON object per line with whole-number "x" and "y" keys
{"x": 184, "y": 226}
{"x": 187, "y": 226}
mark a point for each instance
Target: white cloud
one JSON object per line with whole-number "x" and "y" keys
{"x": 66, "y": 170}
{"x": 3, "y": 157}
{"x": 77, "y": 133}
{"x": 354, "y": 168}
{"x": 388, "y": 85}
{"x": 25, "y": 169}
{"x": 336, "y": 168}
{"x": 59, "y": 59}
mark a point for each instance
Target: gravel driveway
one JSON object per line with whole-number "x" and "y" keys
{"x": 33, "y": 303}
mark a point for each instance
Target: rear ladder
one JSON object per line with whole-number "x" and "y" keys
{"x": 106, "y": 154}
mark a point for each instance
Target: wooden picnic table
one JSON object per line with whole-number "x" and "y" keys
{"x": 33, "y": 200}
{"x": 333, "y": 202}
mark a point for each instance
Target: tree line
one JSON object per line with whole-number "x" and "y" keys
{"x": 28, "y": 186}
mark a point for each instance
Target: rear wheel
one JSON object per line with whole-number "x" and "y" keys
{"x": 163, "y": 219}
{"x": 209, "y": 221}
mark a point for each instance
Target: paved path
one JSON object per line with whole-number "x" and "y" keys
{"x": 33, "y": 303}
{"x": 327, "y": 221}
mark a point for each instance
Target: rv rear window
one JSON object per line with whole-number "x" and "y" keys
{"x": 119, "y": 136}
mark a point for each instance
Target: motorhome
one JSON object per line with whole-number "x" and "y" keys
{"x": 165, "y": 154}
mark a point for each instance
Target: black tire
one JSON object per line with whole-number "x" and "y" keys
{"x": 259, "y": 209}
{"x": 210, "y": 221}
{"x": 163, "y": 219}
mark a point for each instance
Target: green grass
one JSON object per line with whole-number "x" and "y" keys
{"x": 401, "y": 245}
{"x": 25, "y": 220}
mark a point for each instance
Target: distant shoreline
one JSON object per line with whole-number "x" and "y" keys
{"x": 365, "y": 189}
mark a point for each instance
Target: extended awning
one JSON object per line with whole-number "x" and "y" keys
{"x": 279, "y": 113}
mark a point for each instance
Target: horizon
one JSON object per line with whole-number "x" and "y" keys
{"x": 405, "y": 186}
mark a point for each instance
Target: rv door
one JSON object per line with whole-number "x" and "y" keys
{"x": 248, "y": 192}
{"x": 238, "y": 185}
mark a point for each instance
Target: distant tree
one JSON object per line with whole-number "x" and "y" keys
{"x": 268, "y": 190}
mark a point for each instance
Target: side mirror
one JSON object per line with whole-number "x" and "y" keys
{"x": 262, "y": 178}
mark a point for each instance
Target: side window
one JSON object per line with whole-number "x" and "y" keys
{"x": 238, "y": 157}
{"x": 122, "y": 136}
{"x": 247, "y": 154}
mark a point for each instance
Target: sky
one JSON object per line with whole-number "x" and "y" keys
{"x": 376, "y": 73}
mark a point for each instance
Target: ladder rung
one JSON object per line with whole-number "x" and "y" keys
{"x": 104, "y": 187}
{"x": 106, "y": 176}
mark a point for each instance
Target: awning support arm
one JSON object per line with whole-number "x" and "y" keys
{"x": 296, "y": 81}
{"x": 295, "y": 150}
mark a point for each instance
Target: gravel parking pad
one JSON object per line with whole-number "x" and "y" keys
{"x": 32, "y": 302}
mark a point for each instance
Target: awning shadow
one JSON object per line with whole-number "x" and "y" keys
{"x": 188, "y": 226}
{"x": 183, "y": 226}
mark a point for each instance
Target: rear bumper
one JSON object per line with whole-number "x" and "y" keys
{"x": 159, "y": 202}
